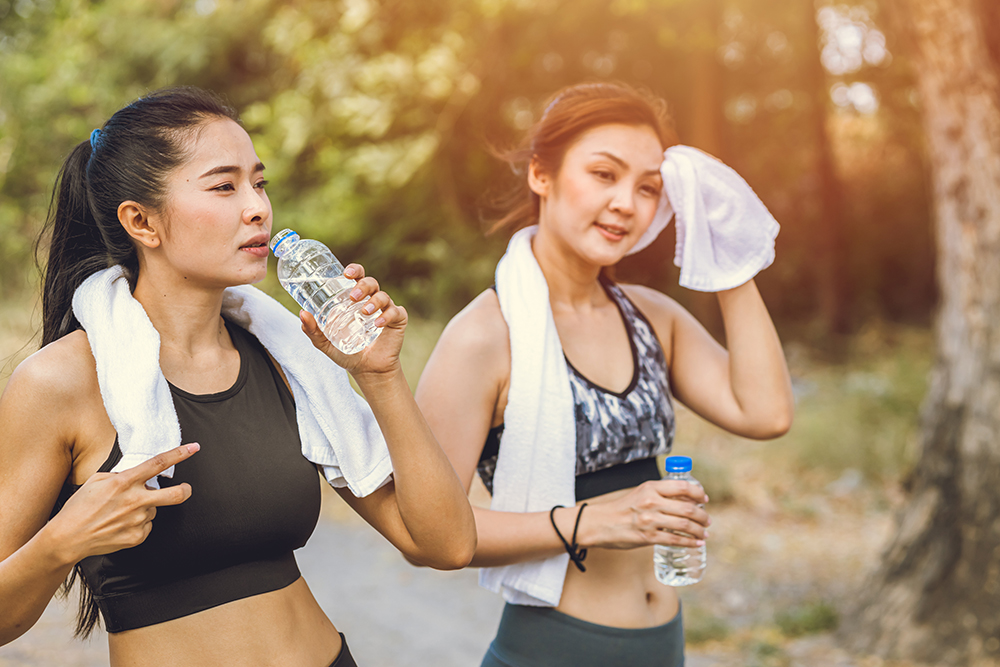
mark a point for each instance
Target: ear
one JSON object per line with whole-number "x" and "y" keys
{"x": 139, "y": 224}
{"x": 539, "y": 180}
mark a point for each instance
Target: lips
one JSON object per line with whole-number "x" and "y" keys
{"x": 612, "y": 232}
{"x": 256, "y": 241}
{"x": 257, "y": 246}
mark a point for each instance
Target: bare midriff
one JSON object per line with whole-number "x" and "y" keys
{"x": 619, "y": 588}
{"x": 283, "y": 627}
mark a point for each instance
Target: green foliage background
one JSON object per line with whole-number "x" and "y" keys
{"x": 375, "y": 119}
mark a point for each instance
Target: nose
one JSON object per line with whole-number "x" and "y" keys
{"x": 623, "y": 201}
{"x": 257, "y": 207}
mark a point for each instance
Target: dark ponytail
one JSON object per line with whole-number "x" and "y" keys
{"x": 129, "y": 159}
{"x": 76, "y": 249}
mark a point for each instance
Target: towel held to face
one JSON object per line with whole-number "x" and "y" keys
{"x": 725, "y": 234}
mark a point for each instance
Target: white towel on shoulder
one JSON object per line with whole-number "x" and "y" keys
{"x": 725, "y": 234}
{"x": 536, "y": 468}
{"x": 336, "y": 426}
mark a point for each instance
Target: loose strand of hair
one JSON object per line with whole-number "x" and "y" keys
{"x": 88, "y": 615}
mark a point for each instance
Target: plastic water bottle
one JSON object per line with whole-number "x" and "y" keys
{"x": 674, "y": 565}
{"x": 315, "y": 279}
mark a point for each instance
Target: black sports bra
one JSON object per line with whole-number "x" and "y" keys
{"x": 254, "y": 499}
{"x": 618, "y": 435}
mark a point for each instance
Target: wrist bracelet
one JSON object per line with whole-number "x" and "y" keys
{"x": 576, "y": 554}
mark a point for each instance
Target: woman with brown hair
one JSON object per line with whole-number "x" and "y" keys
{"x": 569, "y": 379}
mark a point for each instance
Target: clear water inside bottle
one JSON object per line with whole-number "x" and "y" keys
{"x": 679, "y": 566}
{"x": 313, "y": 276}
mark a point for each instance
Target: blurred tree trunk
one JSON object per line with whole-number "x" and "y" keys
{"x": 935, "y": 595}
{"x": 707, "y": 126}
{"x": 707, "y": 120}
{"x": 831, "y": 237}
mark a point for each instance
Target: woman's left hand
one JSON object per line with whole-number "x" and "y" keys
{"x": 382, "y": 356}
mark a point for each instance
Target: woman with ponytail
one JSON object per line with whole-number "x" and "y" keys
{"x": 557, "y": 385}
{"x": 152, "y": 338}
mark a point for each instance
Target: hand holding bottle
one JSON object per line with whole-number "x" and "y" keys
{"x": 666, "y": 512}
{"x": 343, "y": 312}
{"x": 382, "y": 356}
{"x": 316, "y": 279}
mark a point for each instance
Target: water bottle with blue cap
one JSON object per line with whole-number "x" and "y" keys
{"x": 315, "y": 279}
{"x": 676, "y": 565}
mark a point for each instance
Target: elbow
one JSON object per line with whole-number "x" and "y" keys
{"x": 781, "y": 426}
{"x": 458, "y": 556}
{"x": 454, "y": 555}
{"x": 776, "y": 426}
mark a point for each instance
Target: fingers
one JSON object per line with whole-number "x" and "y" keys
{"x": 377, "y": 301}
{"x": 678, "y": 539}
{"x": 672, "y": 515}
{"x": 670, "y": 512}
{"x": 311, "y": 328}
{"x": 673, "y": 488}
{"x": 171, "y": 495}
{"x": 693, "y": 525}
{"x": 147, "y": 470}
{"x": 393, "y": 316}
{"x": 365, "y": 287}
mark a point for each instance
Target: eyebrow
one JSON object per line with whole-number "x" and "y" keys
{"x": 230, "y": 169}
{"x": 624, "y": 164}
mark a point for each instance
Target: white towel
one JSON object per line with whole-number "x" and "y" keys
{"x": 536, "y": 468}
{"x": 725, "y": 234}
{"x": 336, "y": 426}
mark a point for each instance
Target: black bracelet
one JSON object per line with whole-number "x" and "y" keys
{"x": 576, "y": 554}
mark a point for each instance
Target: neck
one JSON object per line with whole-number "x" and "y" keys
{"x": 573, "y": 281}
{"x": 187, "y": 317}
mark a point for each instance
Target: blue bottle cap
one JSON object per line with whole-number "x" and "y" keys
{"x": 280, "y": 237}
{"x": 677, "y": 464}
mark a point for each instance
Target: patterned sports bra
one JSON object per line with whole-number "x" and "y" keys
{"x": 618, "y": 435}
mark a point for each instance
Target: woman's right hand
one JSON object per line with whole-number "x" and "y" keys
{"x": 655, "y": 512}
{"x": 114, "y": 511}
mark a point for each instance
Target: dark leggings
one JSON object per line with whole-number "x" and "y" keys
{"x": 544, "y": 637}
{"x": 345, "y": 659}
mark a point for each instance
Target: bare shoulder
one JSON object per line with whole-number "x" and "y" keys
{"x": 662, "y": 312}
{"x": 658, "y": 308}
{"x": 51, "y": 399}
{"x": 471, "y": 360}
{"x": 478, "y": 330}
{"x": 60, "y": 373}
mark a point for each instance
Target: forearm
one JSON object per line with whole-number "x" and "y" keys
{"x": 758, "y": 372}
{"x": 29, "y": 578}
{"x": 431, "y": 502}
{"x": 515, "y": 537}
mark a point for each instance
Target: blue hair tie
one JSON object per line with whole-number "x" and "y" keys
{"x": 94, "y": 136}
